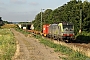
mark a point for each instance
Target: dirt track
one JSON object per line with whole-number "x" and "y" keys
{"x": 29, "y": 48}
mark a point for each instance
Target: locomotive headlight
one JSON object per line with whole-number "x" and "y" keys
{"x": 64, "y": 34}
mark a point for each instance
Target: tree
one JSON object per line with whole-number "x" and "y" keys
{"x": 37, "y": 21}
{"x": 86, "y": 16}
{"x": 47, "y": 16}
{"x": 69, "y": 12}
{"x": 1, "y": 21}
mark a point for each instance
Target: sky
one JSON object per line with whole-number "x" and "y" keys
{"x": 26, "y": 10}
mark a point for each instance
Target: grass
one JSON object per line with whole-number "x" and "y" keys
{"x": 7, "y": 44}
{"x": 8, "y": 26}
{"x": 72, "y": 55}
{"x": 22, "y": 31}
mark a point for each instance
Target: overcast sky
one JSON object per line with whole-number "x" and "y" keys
{"x": 26, "y": 10}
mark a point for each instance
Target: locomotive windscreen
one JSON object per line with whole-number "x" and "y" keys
{"x": 68, "y": 27}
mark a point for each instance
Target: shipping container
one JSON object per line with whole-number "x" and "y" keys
{"x": 45, "y": 29}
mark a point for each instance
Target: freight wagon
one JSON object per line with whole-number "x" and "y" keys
{"x": 61, "y": 31}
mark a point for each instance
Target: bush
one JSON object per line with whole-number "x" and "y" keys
{"x": 83, "y": 37}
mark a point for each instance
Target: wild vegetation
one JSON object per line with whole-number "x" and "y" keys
{"x": 84, "y": 37}
{"x": 74, "y": 11}
{"x": 22, "y": 31}
{"x": 7, "y": 44}
{"x": 71, "y": 54}
{"x": 8, "y": 26}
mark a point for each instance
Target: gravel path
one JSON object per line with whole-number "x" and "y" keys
{"x": 29, "y": 48}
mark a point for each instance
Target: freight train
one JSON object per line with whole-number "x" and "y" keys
{"x": 61, "y": 31}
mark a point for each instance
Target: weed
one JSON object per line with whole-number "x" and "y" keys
{"x": 72, "y": 55}
{"x": 7, "y": 44}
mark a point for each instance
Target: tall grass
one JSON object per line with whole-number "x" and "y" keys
{"x": 72, "y": 55}
{"x": 25, "y": 32}
{"x": 7, "y": 44}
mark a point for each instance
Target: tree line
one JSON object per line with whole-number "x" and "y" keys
{"x": 2, "y": 22}
{"x": 73, "y": 11}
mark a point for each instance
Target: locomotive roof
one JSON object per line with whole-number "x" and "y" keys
{"x": 63, "y": 23}
{"x": 66, "y": 23}
{"x": 54, "y": 24}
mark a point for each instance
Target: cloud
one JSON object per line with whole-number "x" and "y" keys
{"x": 18, "y": 1}
{"x": 18, "y": 16}
{"x": 34, "y": 3}
{"x": 1, "y": 3}
{"x": 2, "y": 8}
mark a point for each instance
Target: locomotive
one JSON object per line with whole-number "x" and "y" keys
{"x": 61, "y": 31}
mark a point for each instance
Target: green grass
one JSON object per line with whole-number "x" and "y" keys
{"x": 72, "y": 55}
{"x": 22, "y": 31}
{"x": 7, "y": 44}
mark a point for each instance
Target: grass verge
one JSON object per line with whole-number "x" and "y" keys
{"x": 7, "y": 44}
{"x": 72, "y": 55}
{"x": 22, "y": 31}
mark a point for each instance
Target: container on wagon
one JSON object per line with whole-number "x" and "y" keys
{"x": 45, "y": 29}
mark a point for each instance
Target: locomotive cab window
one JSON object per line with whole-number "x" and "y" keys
{"x": 68, "y": 27}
